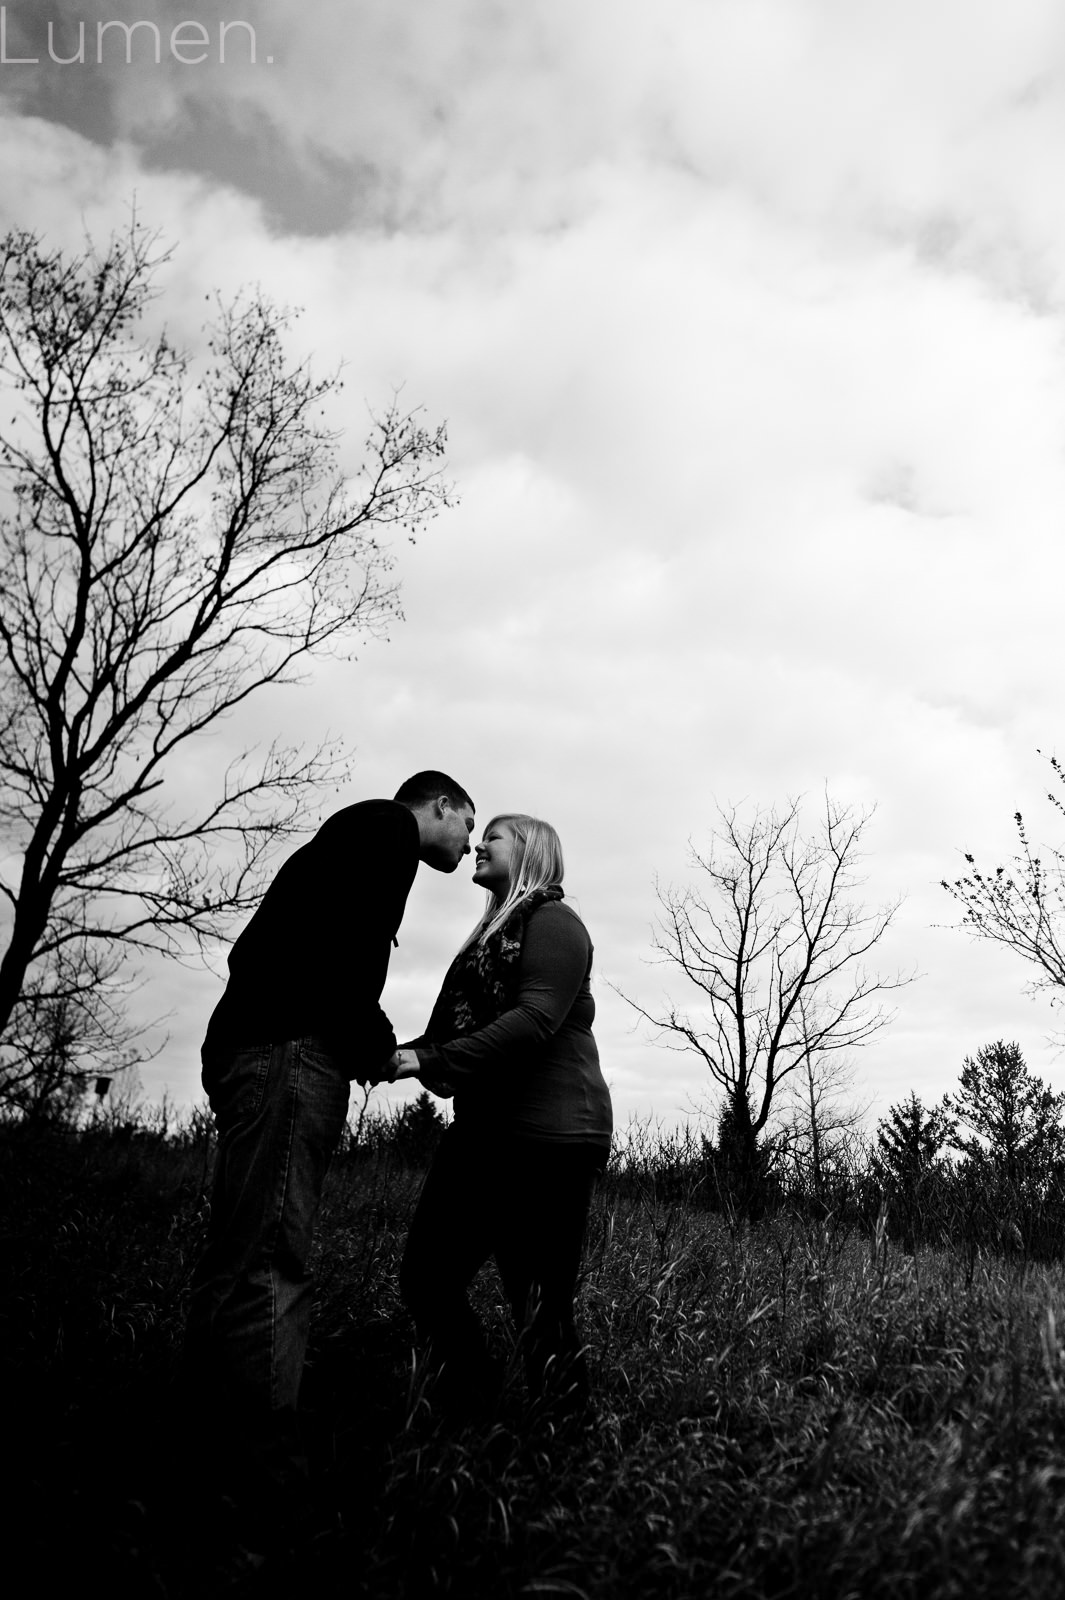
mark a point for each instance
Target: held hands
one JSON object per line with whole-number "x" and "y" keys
{"x": 397, "y": 1065}
{"x": 403, "y": 1064}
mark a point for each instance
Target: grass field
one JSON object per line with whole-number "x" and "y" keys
{"x": 792, "y": 1407}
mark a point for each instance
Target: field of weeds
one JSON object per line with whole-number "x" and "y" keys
{"x": 785, "y": 1408}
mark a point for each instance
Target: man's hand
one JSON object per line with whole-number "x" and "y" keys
{"x": 384, "y": 1072}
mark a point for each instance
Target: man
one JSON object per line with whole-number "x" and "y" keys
{"x": 299, "y": 1018}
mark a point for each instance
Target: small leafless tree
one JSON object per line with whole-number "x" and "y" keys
{"x": 822, "y": 1123}
{"x": 774, "y": 947}
{"x": 1021, "y": 907}
{"x": 176, "y": 536}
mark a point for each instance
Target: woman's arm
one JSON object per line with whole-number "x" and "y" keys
{"x": 555, "y": 956}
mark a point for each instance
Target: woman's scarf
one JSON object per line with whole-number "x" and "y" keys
{"x": 482, "y": 981}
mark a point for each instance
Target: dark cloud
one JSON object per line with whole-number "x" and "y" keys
{"x": 183, "y": 119}
{"x": 77, "y": 96}
{"x": 318, "y": 194}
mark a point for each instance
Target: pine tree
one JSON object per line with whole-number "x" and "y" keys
{"x": 909, "y": 1165}
{"x": 1008, "y": 1117}
{"x": 418, "y": 1129}
{"x": 910, "y": 1142}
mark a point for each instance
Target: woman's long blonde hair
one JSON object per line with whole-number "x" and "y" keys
{"x": 536, "y": 864}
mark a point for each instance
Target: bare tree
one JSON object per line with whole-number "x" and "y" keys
{"x": 70, "y": 1035}
{"x": 1021, "y": 907}
{"x": 176, "y": 536}
{"x": 774, "y": 948}
{"x": 822, "y": 1123}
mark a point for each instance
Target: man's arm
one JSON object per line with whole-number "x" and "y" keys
{"x": 382, "y": 862}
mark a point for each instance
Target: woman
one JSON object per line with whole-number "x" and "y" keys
{"x": 510, "y": 1036}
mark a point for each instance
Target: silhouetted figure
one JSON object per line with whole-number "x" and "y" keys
{"x": 513, "y": 1178}
{"x": 300, "y": 1018}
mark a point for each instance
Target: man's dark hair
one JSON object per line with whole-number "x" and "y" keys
{"x": 425, "y": 787}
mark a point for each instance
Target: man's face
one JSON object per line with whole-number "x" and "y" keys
{"x": 445, "y": 834}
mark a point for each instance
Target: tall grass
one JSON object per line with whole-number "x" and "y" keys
{"x": 796, "y": 1406}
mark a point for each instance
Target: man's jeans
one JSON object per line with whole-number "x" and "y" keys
{"x": 280, "y": 1110}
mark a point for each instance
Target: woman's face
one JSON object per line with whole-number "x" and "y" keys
{"x": 494, "y": 856}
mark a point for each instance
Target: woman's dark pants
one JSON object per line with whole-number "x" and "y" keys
{"x": 525, "y": 1203}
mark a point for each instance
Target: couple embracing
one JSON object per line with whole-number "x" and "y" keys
{"x": 509, "y": 1037}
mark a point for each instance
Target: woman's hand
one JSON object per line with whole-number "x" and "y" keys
{"x": 400, "y": 1064}
{"x": 404, "y": 1064}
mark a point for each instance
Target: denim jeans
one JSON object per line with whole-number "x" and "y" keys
{"x": 279, "y": 1109}
{"x": 525, "y": 1202}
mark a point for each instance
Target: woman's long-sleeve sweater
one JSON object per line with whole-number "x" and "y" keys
{"x": 534, "y": 1071}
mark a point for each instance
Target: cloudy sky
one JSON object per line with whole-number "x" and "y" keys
{"x": 746, "y": 317}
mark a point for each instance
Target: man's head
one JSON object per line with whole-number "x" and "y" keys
{"x": 444, "y": 814}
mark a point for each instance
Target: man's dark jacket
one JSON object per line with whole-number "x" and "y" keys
{"x": 314, "y": 957}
